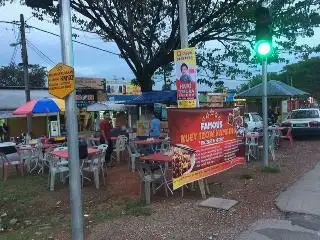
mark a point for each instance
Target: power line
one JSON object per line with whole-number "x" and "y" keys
{"x": 85, "y": 44}
{"x": 40, "y": 53}
{"x": 57, "y": 35}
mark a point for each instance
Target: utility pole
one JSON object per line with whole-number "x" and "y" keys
{"x": 291, "y": 81}
{"x": 24, "y": 56}
{"x": 183, "y": 23}
{"x": 72, "y": 125}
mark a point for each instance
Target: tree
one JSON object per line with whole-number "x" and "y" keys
{"x": 12, "y": 75}
{"x": 165, "y": 72}
{"x": 218, "y": 86}
{"x": 147, "y": 31}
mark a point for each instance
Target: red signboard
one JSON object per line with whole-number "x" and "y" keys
{"x": 206, "y": 142}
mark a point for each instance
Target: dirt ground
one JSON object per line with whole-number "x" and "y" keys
{"x": 113, "y": 212}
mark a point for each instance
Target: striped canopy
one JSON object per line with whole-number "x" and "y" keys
{"x": 43, "y": 105}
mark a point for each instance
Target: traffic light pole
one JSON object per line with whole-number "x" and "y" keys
{"x": 265, "y": 113}
{"x": 72, "y": 126}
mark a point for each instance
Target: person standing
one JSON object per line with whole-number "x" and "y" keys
{"x": 105, "y": 137}
{"x": 154, "y": 127}
{"x": 5, "y": 132}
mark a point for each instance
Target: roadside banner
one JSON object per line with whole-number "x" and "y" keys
{"x": 206, "y": 141}
{"x": 186, "y": 77}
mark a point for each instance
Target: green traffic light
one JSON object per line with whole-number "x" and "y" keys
{"x": 263, "y": 48}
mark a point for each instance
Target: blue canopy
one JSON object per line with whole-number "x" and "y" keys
{"x": 168, "y": 96}
{"x": 120, "y": 98}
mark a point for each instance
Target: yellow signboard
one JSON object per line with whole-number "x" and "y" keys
{"x": 61, "y": 80}
{"x": 187, "y": 103}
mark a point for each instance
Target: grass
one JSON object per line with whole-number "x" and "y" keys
{"x": 270, "y": 169}
{"x": 21, "y": 189}
{"x": 15, "y": 195}
{"x": 135, "y": 208}
{"x": 129, "y": 208}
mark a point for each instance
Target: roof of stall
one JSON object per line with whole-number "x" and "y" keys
{"x": 168, "y": 96}
{"x": 275, "y": 89}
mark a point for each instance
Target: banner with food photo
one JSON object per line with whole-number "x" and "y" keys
{"x": 205, "y": 142}
{"x": 186, "y": 77}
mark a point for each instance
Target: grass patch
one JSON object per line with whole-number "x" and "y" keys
{"x": 270, "y": 169}
{"x": 245, "y": 176}
{"x": 22, "y": 189}
{"x": 135, "y": 208}
{"x": 101, "y": 216}
{"x": 128, "y": 208}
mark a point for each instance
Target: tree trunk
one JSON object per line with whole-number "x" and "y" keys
{"x": 145, "y": 81}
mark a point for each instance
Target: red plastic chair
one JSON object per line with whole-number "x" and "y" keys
{"x": 288, "y": 136}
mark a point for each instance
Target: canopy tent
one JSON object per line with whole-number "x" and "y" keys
{"x": 274, "y": 89}
{"x": 107, "y": 106}
{"x": 168, "y": 96}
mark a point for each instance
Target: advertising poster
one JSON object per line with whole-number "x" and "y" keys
{"x": 186, "y": 77}
{"x": 205, "y": 142}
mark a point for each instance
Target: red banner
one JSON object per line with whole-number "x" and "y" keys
{"x": 205, "y": 141}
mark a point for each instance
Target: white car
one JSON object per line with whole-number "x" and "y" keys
{"x": 304, "y": 121}
{"x": 252, "y": 121}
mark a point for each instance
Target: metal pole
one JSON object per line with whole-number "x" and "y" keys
{"x": 72, "y": 126}
{"x": 265, "y": 114}
{"x": 24, "y": 56}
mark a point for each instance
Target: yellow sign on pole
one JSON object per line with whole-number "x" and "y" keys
{"x": 61, "y": 80}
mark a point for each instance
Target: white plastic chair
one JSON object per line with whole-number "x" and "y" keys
{"x": 94, "y": 165}
{"x": 147, "y": 178}
{"x": 133, "y": 155}
{"x": 62, "y": 161}
{"x": 120, "y": 146}
{"x": 252, "y": 143}
{"x": 55, "y": 167}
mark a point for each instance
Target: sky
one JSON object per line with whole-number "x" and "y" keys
{"x": 88, "y": 62}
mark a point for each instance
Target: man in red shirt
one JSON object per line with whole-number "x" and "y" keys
{"x": 105, "y": 138}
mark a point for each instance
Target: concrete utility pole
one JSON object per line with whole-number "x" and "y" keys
{"x": 24, "y": 56}
{"x": 265, "y": 113}
{"x": 72, "y": 125}
{"x": 183, "y": 23}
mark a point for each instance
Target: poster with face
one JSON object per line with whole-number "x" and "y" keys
{"x": 186, "y": 77}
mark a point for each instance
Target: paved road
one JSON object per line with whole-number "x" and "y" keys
{"x": 301, "y": 202}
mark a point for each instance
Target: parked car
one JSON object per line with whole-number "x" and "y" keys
{"x": 304, "y": 122}
{"x": 252, "y": 121}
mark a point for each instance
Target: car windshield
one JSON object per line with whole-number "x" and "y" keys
{"x": 304, "y": 114}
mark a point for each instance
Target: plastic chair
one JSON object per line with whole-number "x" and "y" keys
{"x": 94, "y": 165}
{"x": 252, "y": 143}
{"x": 14, "y": 160}
{"x": 55, "y": 167}
{"x": 120, "y": 146}
{"x": 133, "y": 155}
{"x": 288, "y": 136}
{"x": 147, "y": 178}
{"x": 165, "y": 145}
{"x": 62, "y": 161}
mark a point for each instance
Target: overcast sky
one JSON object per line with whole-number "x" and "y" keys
{"x": 88, "y": 62}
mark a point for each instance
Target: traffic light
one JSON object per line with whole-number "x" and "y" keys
{"x": 39, "y": 3}
{"x": 263, "y": 44}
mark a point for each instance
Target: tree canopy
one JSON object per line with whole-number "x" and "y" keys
{"x": 147, "y": 31}
{"x": 304, "y": 75}
{"x": 12, "y": 76}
